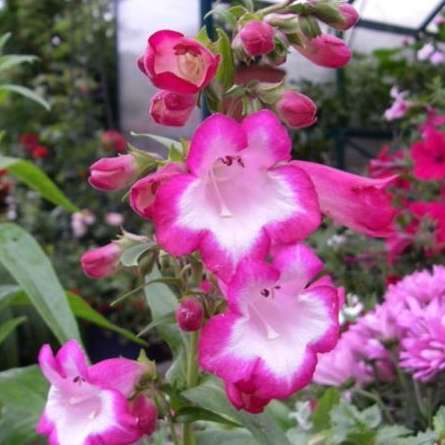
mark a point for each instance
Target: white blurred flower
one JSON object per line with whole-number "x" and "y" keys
{"x": 114, "y": 219}
{"x": 425, "y": 52}
{"x": 80, "y": 222}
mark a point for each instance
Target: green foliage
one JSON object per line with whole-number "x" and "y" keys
{"x": 27, "y": 263}
{"x": 36, "y": 179}
{"x": 18, "y": 419}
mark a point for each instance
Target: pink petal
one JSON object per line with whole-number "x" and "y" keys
{"x": 217, "y": 137}
{"x": 357, "y": 202}
{"x": 268, "y": 140}
{"x": 72, "y": 360}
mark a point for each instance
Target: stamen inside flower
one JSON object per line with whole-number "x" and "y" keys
{"x": 190, "y": 65}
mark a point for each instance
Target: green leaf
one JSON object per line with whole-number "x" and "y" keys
{"x": 131, "y": 256}
{"x": 225, "y": 438}
{"x": 22, "y": 397}
{"x": 321, "y": 417}
{"x": 164, "y": 320}
{"x": 7, "y": 294}
{"x": 439, "y": 422}
{"x": 226, "y": 69}
{"x": 425, "y": 438}
{"x": 203, "y": 36}
{"x": 190, "y": 414}
{"x": 26, "y": 92}
{"x": 4, "y": 39}
{"x": 249, "y": 5}
{"x": 8, "y": 327}
{"x": 81, "y": 309}
{"x": 211, "y": 396}
{"x": 36, "y": 179}
{"x": 10, "y": 60}
{"x": 27, "y": 263}
{"x": 387, "y": 434}
{"x": 164, "y": 141}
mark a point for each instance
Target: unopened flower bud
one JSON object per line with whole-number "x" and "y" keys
{"x": 172, "y": 109}
{"x": 114, "y": 173}
{"x": 101, "y": 262}
{"x": 350, "y": 17}
{"x": 326, "y": 50}
{"x": 146, "y": 414}
{"x": 257, "y": 38}
{"x": 296, "y": 110}
{"x": 190, "y": 314}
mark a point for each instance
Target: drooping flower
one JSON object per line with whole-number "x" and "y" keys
{"x": 172, "y": 109}
{"x": 102, "y": 261}
{"x": 178, "y": 64}
{"x": 296, "y": 110}
{"x": 114, "y": 173}
{"x": 89, "y": 404}
{"x": 429, "y": 155}
{"x": 237, "y": 197}
{"x": 399, "y": 107}
{"x": 257, "y": 38}
{"x": 265, "y": 345}
{"x": 326, "y": 50}
{"x": 354, "y": 201}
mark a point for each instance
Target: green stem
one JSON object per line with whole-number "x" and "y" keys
{"x": 377, "y": 399}
{"x": 275, "y": 8}
{"x": 188, "y": 436}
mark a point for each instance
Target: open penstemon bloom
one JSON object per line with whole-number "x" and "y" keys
{"x": 89, "y": 404}
{"x": 265, "y": 345}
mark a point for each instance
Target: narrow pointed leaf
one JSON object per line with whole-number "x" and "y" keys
{"x": 36, "y": 179}
{"x": 8, "y": 327}
{"x": 26, "y": 92}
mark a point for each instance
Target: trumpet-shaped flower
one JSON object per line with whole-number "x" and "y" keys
{"x": 265, "y": 345}
{"x": 359, "y": 203}
{"x": 238, "y": 197}
{"x": 88, "y": 405}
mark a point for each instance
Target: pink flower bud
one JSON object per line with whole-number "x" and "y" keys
{"x": 101, "y": 262}
{"x": 172, "y": 109}
{"x": 189, "y": 314}
{"x": 178, "y": 64}
{"x": 115, "y": 173}
{"x": 350, "y": 17}
{"x": 296, "y": 110}
{"x": 257, "y": 38}
{"x": 112, "y": 140}
{"x": 326, "y": 50}
{"x": 146, "y": 413}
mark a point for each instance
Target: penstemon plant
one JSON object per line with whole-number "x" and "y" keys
{"x": 240, "y": 300}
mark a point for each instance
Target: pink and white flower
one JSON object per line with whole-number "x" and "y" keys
{"x": 178, "y": 64}
{"x": 89, "y": 404}
{"x": 265, "y": 345}
{"x": 238, "y": 197}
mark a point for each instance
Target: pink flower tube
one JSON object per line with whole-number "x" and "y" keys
{"x": 178, "y": 64}
{"x": 351, "y": 200}
{"x": 172, "y": 109}
{"x": 296, "y": 110}
{"x": 89, "y": 404}
{"x": 326, "y": 50}
{"x": 257, "y": 38}
{"x": 350, "y": 17}
{"x": 265, "y": 345}
{"x": 101, "y": 262}
{"x": 110, "y": 174}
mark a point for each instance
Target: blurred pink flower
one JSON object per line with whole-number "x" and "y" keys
{"x": 425, "y": 52}
{"x": 80, "y": 222}
{"x": 429, "y": 155}
{"x": 114, "y": 219}
{"x": 400, "y": 105}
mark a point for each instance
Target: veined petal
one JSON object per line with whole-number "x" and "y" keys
{"x": 351, "y": 200}
{"x": 237, "y": 214}
{"x": 119, "y": 374}
{"x": 91, "y": 416}
{"x": 217, "y": 138}
{"x": 268, "y": 339}
{"x": 268, "y": 140}
{"x": 72, "y": 360}
{"x": 297, "y": 264}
